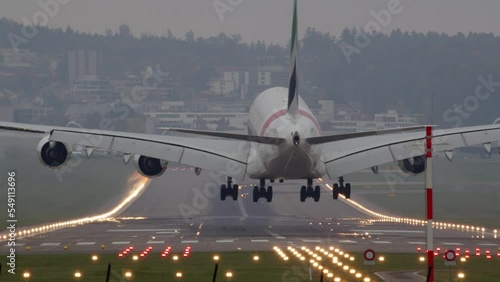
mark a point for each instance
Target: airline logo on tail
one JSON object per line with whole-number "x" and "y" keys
{"x": 293, "y": 99}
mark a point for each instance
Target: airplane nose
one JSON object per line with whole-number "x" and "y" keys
{"x": 296, "y": 138}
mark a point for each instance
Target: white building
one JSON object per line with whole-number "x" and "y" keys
{"x": 229, "y": 122}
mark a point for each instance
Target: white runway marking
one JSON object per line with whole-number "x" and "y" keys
{"x": 225, "y": 241}
{"x": 259, "y": 241}
{"x": 275, "y": 235}
{"x": 190, "y": 242}
{"x": 142, "y": 230}
{"x": 311, "y": 241}
{"x": 167, "y": 232}
{"x": 85, "y": 243}
{"x": 416, "y": 243}
{"x": 49, "y": 244}
{"x": 155, "y": 242}
{"x": 121, "y": 243}
{"x": 453, "y": 244}
{"x": 382, "y": 242}
{"x": 388, "y": 231}
{"x": 347, "y": 242}
{"x": 480, "y": 244}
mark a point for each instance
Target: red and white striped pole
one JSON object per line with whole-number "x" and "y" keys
{"x": 428, "y": 201}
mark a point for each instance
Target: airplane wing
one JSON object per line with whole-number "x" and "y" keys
{"x": 350, "y": 155}
{"x": 225, "y": 156}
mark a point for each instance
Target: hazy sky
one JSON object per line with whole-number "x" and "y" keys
{"x": 268, "y": 20}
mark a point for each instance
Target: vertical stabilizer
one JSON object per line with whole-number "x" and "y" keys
{"x": 293, "y": 99}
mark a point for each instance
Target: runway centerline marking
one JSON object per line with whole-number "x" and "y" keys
{"x": 85, "y": 243}
{"x": 382, "y": 242}
{"x": 120, "y": 243}
{"x": 480, "y": 244}
{"x": 415, "y": 243}
{"x": 453, "y": 244}
{"x": 259, "y": 241}
{"x": 155, "y": 242}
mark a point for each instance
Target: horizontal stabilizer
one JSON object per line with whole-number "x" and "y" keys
{"x": 344, "y": 136}
{"x": 234, "y": 136}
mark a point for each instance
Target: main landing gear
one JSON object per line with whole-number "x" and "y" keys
{"x": 261, "y": 192}
{"x": 309, "y": 192}
{"x": 229, "y": 190}
{"x": 339, "y": 188}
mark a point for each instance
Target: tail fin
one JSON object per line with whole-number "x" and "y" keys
{"x": 293, "y": 99}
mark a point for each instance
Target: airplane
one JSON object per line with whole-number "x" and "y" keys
{"x": 284, "y": 141}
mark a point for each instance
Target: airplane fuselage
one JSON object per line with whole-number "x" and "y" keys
{"x": 293, "y": 159}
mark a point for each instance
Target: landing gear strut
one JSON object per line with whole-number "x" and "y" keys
{"x": 309, "y": 192}
{"x": 229, "y": 190}
{"x": 339, "y": 188}
{"x": 261, "y": 192}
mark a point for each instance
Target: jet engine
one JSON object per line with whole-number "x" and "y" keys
{"x": 52, "y": 153}
{"x": 149, "y": 167}
{"x": 413, "y": 166}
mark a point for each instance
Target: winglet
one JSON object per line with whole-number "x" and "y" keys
{"x": 293, "y": 99}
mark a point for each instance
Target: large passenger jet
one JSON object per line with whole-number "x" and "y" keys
{"x": 284, "y": 141}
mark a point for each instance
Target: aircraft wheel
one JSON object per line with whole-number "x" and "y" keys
{"x": 269, "y": 194}
{"x": 255, "y": 194}
{"x": 223, "y": 192}
{"x": 317, "y": 193}
{"x": 347, "y": 190}
{"x": 303, "y": 193}
{"x": 335, "y": 191}
{"x": 234, "y": 192}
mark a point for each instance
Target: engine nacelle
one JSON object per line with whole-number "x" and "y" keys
{"x": 53, "y": 154}
{"x": 412, "y": 166}
{"x": 149, "y": 167}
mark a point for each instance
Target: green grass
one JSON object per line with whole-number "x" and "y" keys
{"x": 199, "y": 267}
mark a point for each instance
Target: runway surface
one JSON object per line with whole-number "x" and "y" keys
{"x": 180, "y": 209}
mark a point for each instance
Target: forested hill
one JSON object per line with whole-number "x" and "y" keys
{"x": 405, "y": 70}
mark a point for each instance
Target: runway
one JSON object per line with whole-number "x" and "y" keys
{"x": 180, "y": 209}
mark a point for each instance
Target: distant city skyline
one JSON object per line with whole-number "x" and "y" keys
{"x": 258, "y": 19}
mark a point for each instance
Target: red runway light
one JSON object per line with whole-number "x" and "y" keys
{"x": 120, "y": 255}
{"x": 419, "y": 249}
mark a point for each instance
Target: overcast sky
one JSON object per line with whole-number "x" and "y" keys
{"x": 268, "y": 20}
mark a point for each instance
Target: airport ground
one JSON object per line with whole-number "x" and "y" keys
{"x": 180, "y": 209}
